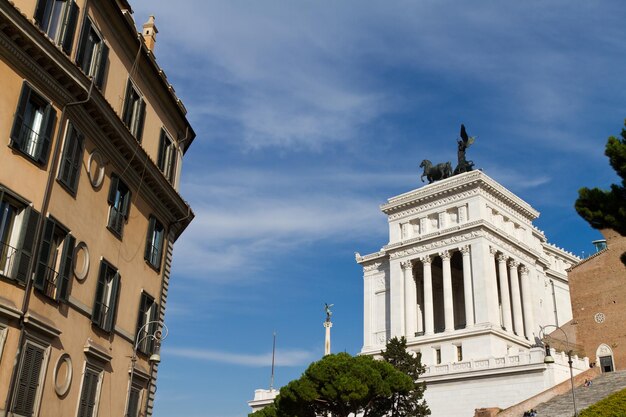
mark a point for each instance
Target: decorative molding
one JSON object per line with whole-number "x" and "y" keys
{"x": 445, "y": 255}
{"x": 433, "y": 204}
{"x": 9, "y": 309}
{"x": 502, "y": 258}
{"x": 407, "y": 265}
{"x": 95, "y": 178}
{"x": 96, "y": 351}
{"x": 416, "y": 250}
{"x": 524, "y": 270}
{"x": 43, "y": 324}
{"x": 465, "y": 250}
{"x": 426, "y": 259}
{"x": 82, "y": 273}
{"x": 371, "y": 267}
{"x": 513, "y": 263}
{"x": 62, "y": 386}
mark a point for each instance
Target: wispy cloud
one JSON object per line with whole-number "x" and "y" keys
{"x": 283, "y": 357}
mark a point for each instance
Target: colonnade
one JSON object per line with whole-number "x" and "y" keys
{"x": 509, "y": 280}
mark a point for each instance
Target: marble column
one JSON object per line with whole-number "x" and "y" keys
{"x": 529, "y": 318}
{"x": 410, "y": 300}
{"x": 467, "y": 287}
{"x": 518, "y": 318}
{"x": 448, "y": 308}
{"x": 504, "y": 293}
{"x": 429, "y": 317}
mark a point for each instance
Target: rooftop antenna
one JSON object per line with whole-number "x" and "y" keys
{"x": 273, "y": 355}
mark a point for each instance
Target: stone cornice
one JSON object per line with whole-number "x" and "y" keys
{"x": 431, "y": 194}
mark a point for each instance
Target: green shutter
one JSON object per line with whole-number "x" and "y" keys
{"x": 110, "y": 318}
{"x": 44, "y": 255}
{"x": 18, "y": 121}
{"x": 28, "y": 380}
{"x": 84, "y": 40}
{"x": 140, "y": 120}
{"x": 46, "y": 133}
{"x": 161, "y": 154}
{"x": 66, "y": 269}
{"x": 126, "y": 203}
{"x": 153, "y": 327}
{"x": 143, "y": 307}
{"x": 70, "y": 21}
{"x": 96, "y": 313}
{"x": 133, "y": 402}
{"x": 40, "y": 11}
{"x": 148, "y": 252}
{"x": 103, "y": 56}
{"x": 127, "y": 113}
{"x": 25, "y": 245}
{"x": 88, "y": 394}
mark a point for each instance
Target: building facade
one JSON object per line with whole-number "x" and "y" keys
{"x": 598, "y": 304}
{"x": 469, "y": 281}
{"x": 89, "y": 209}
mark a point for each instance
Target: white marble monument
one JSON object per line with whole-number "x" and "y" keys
{"x": 468, "y": 280}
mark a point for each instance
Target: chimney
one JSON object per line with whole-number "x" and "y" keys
{"x": 149, "y": 33}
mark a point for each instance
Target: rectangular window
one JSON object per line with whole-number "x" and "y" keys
{"x": 146, "y": 324}
{"x": 18, "y": 223}
{"x": 54, "y": 266}
{"x": 29, "y": 380}
{"x": 459, "y": 353}
{"x": 134, "y": 401}
{"x": 438, "y": 356}
{"x": 32, "y": 125}
{"x": 92, "y": 53}
{"x": 134, "y": 111}
{"x": 58, "y": 19}
{"x": 69, "y": 170}
{"x": 105, "y": 304}
{"x": 154, "y": 243}
{"x": 119, "y": 200}
{"x": 89, "y": 394}
{"x": 167, "y": 156}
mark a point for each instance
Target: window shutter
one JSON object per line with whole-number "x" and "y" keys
{"x": 103, "y": 55}
{"x": 140, "y": 120}
{"x": 79, "y": 145}
{"x": 126, "y": 203}
{"x": 143, "y": 307}
{"x": 84, "y": 40}
{"x": 25, "y": 245}
{"x": 113, "y": 190}
{"x": 96, "y": 313}
{"x": 66, "y": 269}
{"x": 110, "y": 318}
{"x": 47, "y": 127}
{"x": 44, "y": 255}
{"x": 88, "y": 394}
{"x": 128, "y": 108}
{"x": 18, "y": 121}
{"x": 152, "y": 328}
{"x": 148, "y": 252}
{"x": 71, "y": 19}
{"x": 40, "y": 11}
{"x": 133, "y": 402}
{"x": 161, "y": 155}
{"x": 28, "y": 380}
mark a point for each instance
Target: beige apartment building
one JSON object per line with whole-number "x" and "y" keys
{"x": 94, "y": 137}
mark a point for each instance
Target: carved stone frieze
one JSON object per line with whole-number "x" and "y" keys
{"x": 433, "y": 204}
{"x": 371, "y": 267}
{"x": 416, "y": 250}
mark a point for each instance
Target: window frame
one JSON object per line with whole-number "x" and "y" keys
{"x": 167, "y": 156}
{"x": 68, "y": 174}
{"x": 148, "y": 312}
{"x": 20, "y": 237}
{"x": 96, "y": 65}
{"x": 106, "y": 291}
{"x": 66, "y": 21}
{"x": 45, "y": 349}
{"x": 154, "y": 260}
{"x": 98, "y": 372}
{"x": 55, "y": 262}
{"x": 134, "y": 112}
{"x": 35, "y": 149}
{"x": 119, "y": 199}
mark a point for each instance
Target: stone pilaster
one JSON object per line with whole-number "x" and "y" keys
{"x": 518, "y": 319}
{"x": 467, "y": 286}
{"x": 429, "y": 317}
{"x": 504, "y": 293}
{"x": 448, "y": 306}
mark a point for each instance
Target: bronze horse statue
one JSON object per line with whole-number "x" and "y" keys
{"x": 435, "y": 172}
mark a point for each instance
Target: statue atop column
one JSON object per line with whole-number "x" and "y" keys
{"x": 328, "y": 312}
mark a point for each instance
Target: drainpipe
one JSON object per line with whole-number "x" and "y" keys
{"x": 36, "y": 242}
{"x": 556, "y": 313}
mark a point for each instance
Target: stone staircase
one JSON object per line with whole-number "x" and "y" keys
{"x": 601, "y": 387}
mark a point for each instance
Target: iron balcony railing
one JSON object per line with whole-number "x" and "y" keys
{"x": 50, "y": 283}
{"x": 7, "y": 258}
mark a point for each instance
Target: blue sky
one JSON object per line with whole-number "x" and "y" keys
{"x": 309, "y": 115}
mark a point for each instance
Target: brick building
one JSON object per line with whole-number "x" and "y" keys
{"x": 598, "y": 293}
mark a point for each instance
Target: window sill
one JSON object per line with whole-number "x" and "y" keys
{"x": 67, "y": 188}
{"x": 156, "y": 268}
{"x": 115, "y": 233}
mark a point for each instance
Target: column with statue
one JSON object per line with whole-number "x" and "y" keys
{"x": 327, "y": 324}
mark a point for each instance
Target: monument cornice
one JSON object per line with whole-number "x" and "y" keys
{"x": 435, "y": 195}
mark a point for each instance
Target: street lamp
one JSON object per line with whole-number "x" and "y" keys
{"x": 549, "y": 359}
{"x": 159, "y": 334}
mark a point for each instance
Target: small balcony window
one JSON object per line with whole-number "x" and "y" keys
{"x": 58, "y": 19}
{"x": 119, "y": 201}
{"x": 54, "y": 266}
